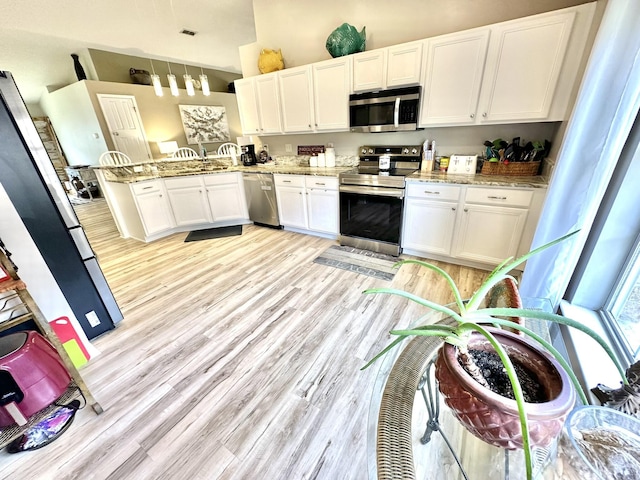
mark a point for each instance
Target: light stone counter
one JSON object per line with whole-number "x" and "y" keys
{"x": 139, "y": 172}
{"x": 489, "y": 180}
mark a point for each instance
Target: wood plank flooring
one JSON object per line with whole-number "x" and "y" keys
{"x": 238, "y": 358}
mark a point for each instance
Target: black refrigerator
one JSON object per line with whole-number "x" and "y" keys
{"x": 33, "y": 187}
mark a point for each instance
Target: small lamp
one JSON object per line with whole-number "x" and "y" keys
{"x": 204, "y": 82}
{"x": 173, "y": 84}
{"x": 168, "y": 147}
{"x": 188, "y": 83}
{"x": 155, "y": 81}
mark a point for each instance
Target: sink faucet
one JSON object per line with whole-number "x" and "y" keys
{"x": 202, "y": 151}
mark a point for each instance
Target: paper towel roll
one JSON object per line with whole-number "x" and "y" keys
{"x": 330, "y": 157}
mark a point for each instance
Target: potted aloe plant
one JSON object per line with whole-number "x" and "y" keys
{"x": 476, "y": 332}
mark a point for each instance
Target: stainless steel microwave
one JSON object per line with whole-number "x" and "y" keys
{"x": 385, "y": 110}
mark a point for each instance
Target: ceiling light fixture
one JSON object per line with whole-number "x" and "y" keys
{"x": 204, "y": 81}
{"x": 173, "y": 84}
{"x": 188, "y": 83}
{"x": 155, "y": 81}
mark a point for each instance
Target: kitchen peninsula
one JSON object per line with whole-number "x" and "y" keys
{"x": 445, "y": 216}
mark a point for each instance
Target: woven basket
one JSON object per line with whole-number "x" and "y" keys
{"x": 511, "y": 168}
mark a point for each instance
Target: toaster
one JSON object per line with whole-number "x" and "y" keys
{"x": 463, "y": 164}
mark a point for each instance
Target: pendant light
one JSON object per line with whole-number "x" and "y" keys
{"x": 173, "y": 84}
{"x": 155, "y": 81}
{"x": 188, "y": 83}
{"x": 204, "y": 82}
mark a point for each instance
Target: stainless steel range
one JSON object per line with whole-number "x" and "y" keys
{"x": 372, "y": 197}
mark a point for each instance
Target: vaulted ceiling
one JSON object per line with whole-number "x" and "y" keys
{"x": 38, "y": 36}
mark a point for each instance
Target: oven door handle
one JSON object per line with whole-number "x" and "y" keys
{"x": 396, "y": 113}
{"x": 379, "y": 191}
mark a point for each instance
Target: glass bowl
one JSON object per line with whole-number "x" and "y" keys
{"x": 600, "y": 443}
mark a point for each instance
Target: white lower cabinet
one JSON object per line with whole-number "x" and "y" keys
{"x": 188, "y": 200}
{"x": 225, "y": 195}
{"x": 479, "y": 225}
{"x": 490, "y": 234}
{"x": 308, "y": 202}
{"x": 153, "y": 207}
{"x": 430, "y": 217}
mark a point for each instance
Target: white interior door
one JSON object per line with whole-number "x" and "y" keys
{"x": 125, "y": 125}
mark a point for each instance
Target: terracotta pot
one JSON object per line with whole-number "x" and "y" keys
{"x": 494, "y": 418}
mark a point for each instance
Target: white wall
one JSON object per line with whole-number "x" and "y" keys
{"x": 77, "y": 117}
{"x": 301, "y": 27}
{"x": 450, "y": 140}
{"x": 75, "y": 122}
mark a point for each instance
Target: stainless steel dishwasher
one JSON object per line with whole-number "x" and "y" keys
{"x": 261, "y": 198}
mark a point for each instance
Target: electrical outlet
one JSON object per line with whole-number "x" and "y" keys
{"x": 138, "y": 168}
{"x": 287, "y": 148}
{"x": 92, "y": 318}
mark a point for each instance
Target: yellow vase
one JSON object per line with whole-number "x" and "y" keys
{"x": 270, "y": 60}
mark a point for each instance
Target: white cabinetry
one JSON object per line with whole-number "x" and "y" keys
{"x": 331, "y": 88}
{"x": 517, "y": 71}
{"x": 369, "y": 70}
{"x": 225, "y": 195}
{"x": 430, "y": 217}
{"x": 404, "y": 63}
{"x": 292, "y": 201}
{"x": 154, "y": 210}
{"x": 453, "y": 73}
{"x": 523, "y": 67}
{"x": 308, "y": 203}
{"x": 259, "y": 104}
{"x": 296, "y": 99}
{"x": 491, "y": 223}
{"x": 322, "y": 204}
{"x": 188, "y": 200}
{"x": 474, "y": 225}
{"x": 316, "y": 98}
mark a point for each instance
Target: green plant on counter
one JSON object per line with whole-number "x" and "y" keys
{"x": 472, "y": 317}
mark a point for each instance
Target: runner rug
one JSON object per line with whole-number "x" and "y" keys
{"x": 369, "y": 263}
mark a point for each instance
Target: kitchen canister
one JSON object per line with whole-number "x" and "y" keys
{"x": 313, "y": 161}
{"x": 322, "y": 160}
{"x": 330, "y": 157}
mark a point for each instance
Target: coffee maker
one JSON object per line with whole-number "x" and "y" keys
{"x": 248, "y": 155}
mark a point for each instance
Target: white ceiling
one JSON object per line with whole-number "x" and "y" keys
{"x": 38, "y": 36}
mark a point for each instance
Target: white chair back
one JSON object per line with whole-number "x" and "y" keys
{"x": 229, "y": 149}
{"x": 185, "y": 153}
{"x": 113, "y": 158}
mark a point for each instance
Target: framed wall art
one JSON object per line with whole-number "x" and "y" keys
{"x": 204, "y": 123}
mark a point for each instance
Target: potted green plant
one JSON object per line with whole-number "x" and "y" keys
{"x": 475, "y": 329}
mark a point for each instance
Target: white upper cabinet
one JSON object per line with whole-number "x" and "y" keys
{"x": 369, "y": 70}
{"x": 523, "y": 67}
{"x": 453, "y": 74}
{"x": 247, "y": 105}
{"x": 259, "y": 104}
{"x": 331, "y": 88}
{"x": 266, "y": 87}
{"x": 404, "y": 63}
{"x": 296, "y": 97}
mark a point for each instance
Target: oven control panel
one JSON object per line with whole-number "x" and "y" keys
{"x": 404, "y": 150}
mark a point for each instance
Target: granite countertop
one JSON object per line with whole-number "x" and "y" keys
{"x": 491, "y": 180}
{"x": 139, "y": 172}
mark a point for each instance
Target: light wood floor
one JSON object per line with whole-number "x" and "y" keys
{"x": 238, "y": 358}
